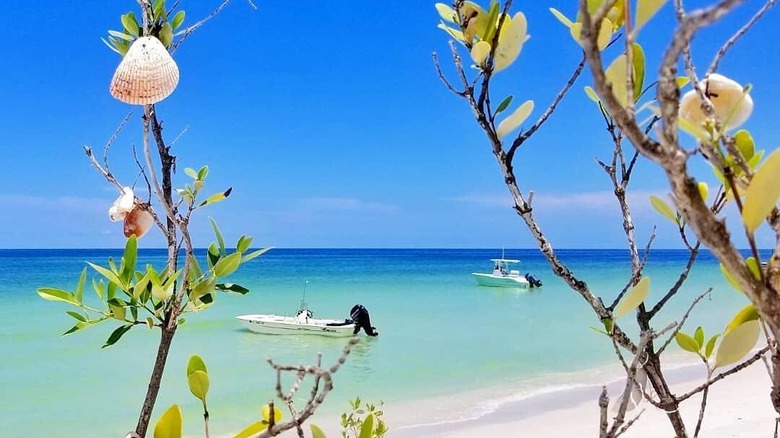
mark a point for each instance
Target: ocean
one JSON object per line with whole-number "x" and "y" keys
{"x": 448, "y": 350}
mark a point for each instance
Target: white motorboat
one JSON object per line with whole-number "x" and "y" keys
{"x": 504, "y": 276}
{"x": 304, "y": 324}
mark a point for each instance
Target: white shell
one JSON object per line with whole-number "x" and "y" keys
{"x": 729, "y": 101}
{"x": 123, "y": 205}
{"x": 146, "y": 75}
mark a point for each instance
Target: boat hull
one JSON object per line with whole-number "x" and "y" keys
{"x": 491, "y": 280}
{"x": 287, "y": 325}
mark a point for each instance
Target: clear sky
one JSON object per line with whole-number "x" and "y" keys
{"x": 330, "y": 124}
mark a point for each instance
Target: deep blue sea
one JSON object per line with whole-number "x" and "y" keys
{"x": 441, "y": 335}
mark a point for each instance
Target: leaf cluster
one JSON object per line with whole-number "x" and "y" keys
{"x": 160, "y": 27}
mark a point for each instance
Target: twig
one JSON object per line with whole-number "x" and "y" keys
{"x": 684, "y": 318}
{"x": 757, "y": 356}
{"x": 734, "y": 38}
{"x": 525, "y": 135}
{"x": 694, "y": 252}
{"x": 106, "y": 174}
{"x": 443, "y": 78}
{"x": 113, "y": 137}
{"x": 189, "y": 30}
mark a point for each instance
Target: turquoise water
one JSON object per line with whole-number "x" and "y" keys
{"x": 441, "y": 334}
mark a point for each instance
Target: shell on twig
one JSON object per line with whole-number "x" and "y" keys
{"x": 146, "y": 75}
{"x": 138, "y": 221}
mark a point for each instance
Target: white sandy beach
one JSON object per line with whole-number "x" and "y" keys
{"x": 738, "y": 406}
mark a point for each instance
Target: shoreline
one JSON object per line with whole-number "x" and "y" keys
{"x": 738, "y": 406}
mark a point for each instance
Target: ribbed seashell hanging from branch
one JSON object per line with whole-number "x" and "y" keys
{"x": 146, "y": 75}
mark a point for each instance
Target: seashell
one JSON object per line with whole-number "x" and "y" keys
{"x": 138, "y": 221}
{"x": 123, "y": 205}
{"x": 146, "y": 75}
{"x": 729, "y": 101}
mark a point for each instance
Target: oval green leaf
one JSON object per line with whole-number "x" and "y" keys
{"x": 762, "y": 193}
{"x": 316, "y": 432}
{"x": 177, "y": 20}
{"x": 633, "y": 298}
{"x": 748, "y": 313}
{"x": 744, "y": 142}
{"x": 616, "y": 75}
{"x": 753, "y": 267}
{"x": 445, "y": 12}
{"x": 645, "y": 9}
{"x": 252, "y": 429}
{"x": 169, "y": 424}
{"x": 698, "y": 336}
{"x": 52, "y": 294}
{"x": 710, "y": 346}
{"x": 199, "y": 384}
{"x": 130, "y": 24}
{"x": 227, "y": 265}
{"x": 367, "y": 430}
{"x": 737, "y": 343}
{"x": 638, "y": 61}
{"x": 196, "y": 364}
{"x": 686, "y": 342}
{"x": 704, "y": 190}
{"x": 515, "y": 119}
{"x": 662, "y": 207}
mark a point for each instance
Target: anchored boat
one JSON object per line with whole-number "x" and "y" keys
{"x": 504, "y": 276}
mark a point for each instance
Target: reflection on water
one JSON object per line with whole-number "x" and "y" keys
{"x": 304, "y": 349}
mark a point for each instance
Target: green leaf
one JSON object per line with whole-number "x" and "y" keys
{"x": 232, "y": 287}
{"x": 753, "y": 267}
{"x": 503, "y": 105}
{"x": 479, "y": 53}
{"x": 562, "y": 18}
{"x": 203, "y": 173}
{"x": 227, "y": 265}
{"x": 682, "y": 81}
{"x": 204, "y": 287}
{"x": 53, "y": 294}
{"x": 199, "y": 384}
{"x": 212, "y": 255}
{"x": 638, "y": 62}
{"x": 710, "y": 346}
{"x": 762, "y": 193}
{"x": 744, "y": 142}
{"x": 698, "y": 335}
{"x": 645, "y": 9}
{"x": 121, "y": 35}
{"x": 446, "y": 12}
{"x": 515, "y": 119}
{"x": 316, "y": 432}
{"x": 737, "y": 343}
{"x": 217, "y": 197}
{"x": 686, "y": 342}
{"x": 252, "y": 429}
{"x": 79, "y": 295}
{"x": 116, "y": 335}
{"x": 159, "y": 10}
{"x": 118, "y": 313}
{"x": 367, "y": 431}
{"x": 255, "y": 254}
{"x": 492, "y": 22}
{"x": 704, "y": 190}
{"x": 196, "y": 363}
{"x": 220, "y": 241}
{"x": 130, "y": 23}
{"x": 663, "y": 208}
{"x": 616, "y": 75}
{"x": 633, "y": 298}
{"x": 169, "y": 424}
{"x": 191, "y": 173}
{"x": 243, "y": 244}
{"x": 166, "y": 35}
{"x": 177, "y": 20}
{"x": 748, "y": 313}
{"x": 110, "y": 276}
{"x": 458, "y": 35}
{"x": 130, "y": 258}
{"x": 77, "y": 315}
{"x": 510, "y": 40}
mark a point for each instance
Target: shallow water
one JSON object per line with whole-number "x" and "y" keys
{"x": 441, "y": 334}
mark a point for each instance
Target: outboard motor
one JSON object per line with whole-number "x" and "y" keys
{"x": 360, "y": 316}
{"x": 533, "y": 281}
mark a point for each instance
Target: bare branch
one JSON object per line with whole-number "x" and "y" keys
{"x": 734, "y": 38}
{"x": 757, "y": 356}
{"x": 443, "y": 78}
{"x": 684, "y": 318}
{"x": 523, "y": 136}
{"x": 189, "y": 30}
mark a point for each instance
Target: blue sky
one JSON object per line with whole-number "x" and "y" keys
{"x": 330, "y": 124}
